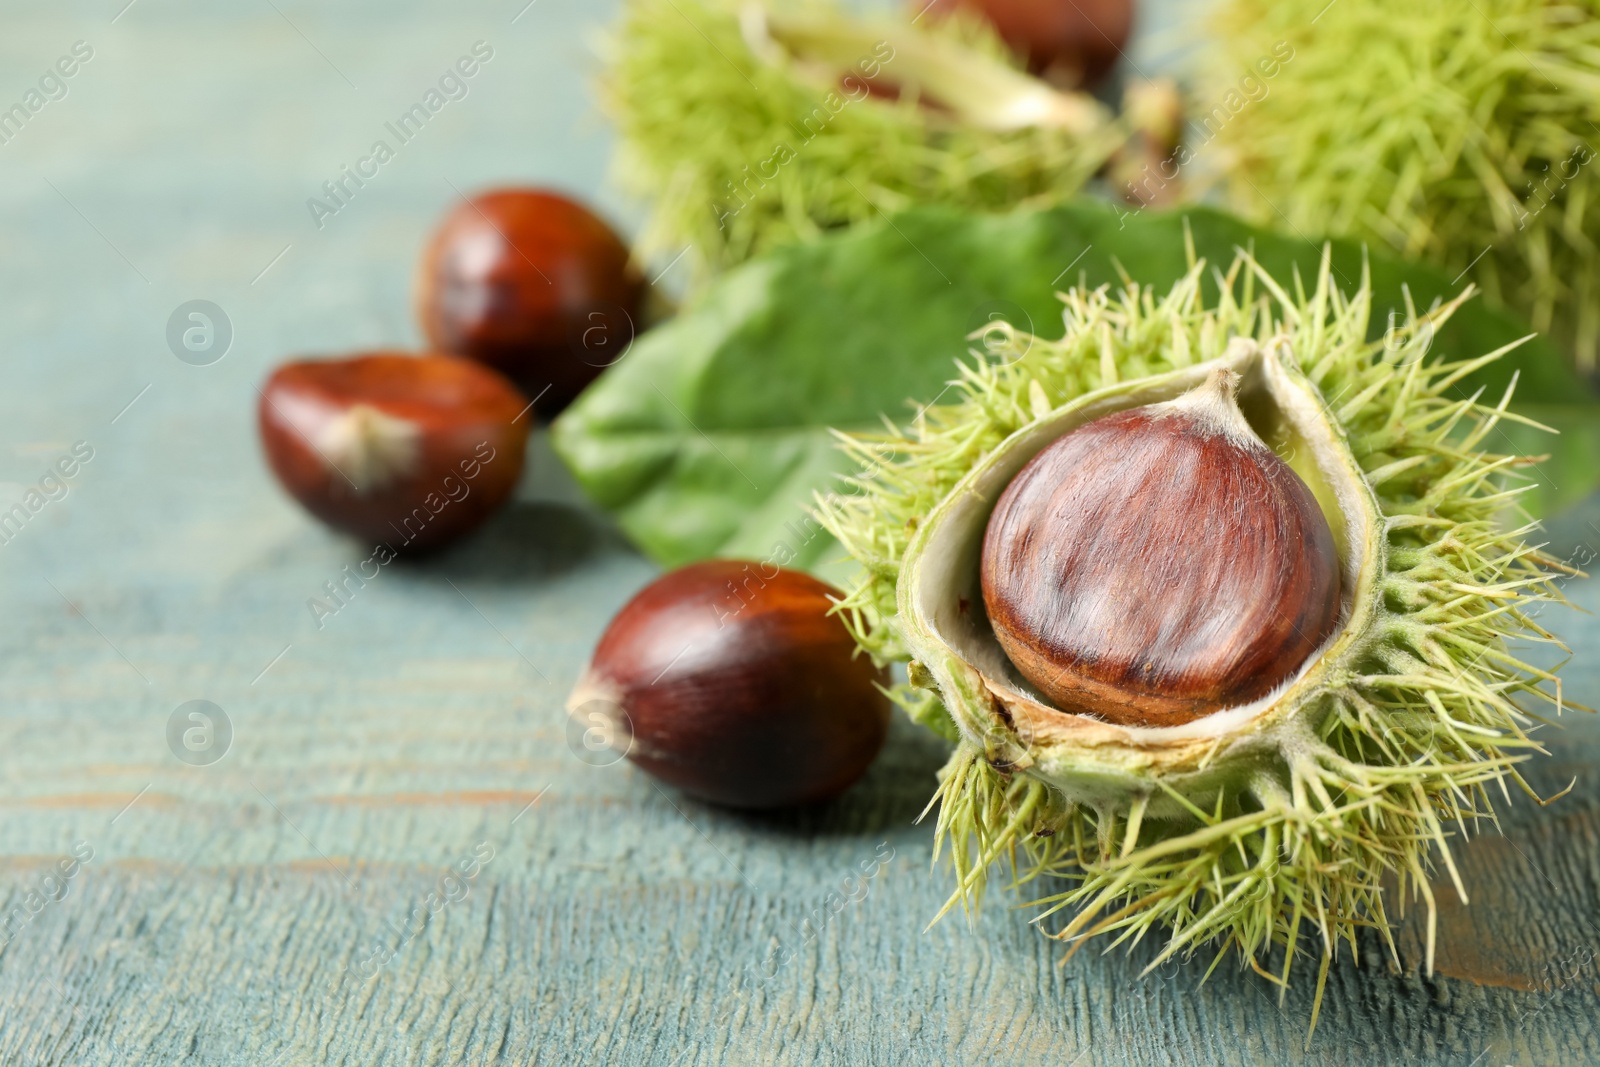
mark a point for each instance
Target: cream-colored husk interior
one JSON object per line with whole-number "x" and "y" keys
{"x": 941, "y": 599}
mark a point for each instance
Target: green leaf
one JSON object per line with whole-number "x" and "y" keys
{"x": 710, "y": 437}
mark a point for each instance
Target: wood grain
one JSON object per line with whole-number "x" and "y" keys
{"x": 228, "y": 911}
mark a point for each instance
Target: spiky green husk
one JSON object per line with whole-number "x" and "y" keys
{"x": 740, "y": 152}
{"x": 1462, "y": 133}
{"x": 1381, "y": 761}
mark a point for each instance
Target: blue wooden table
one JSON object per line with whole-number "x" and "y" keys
{"x": 391, "y": 853}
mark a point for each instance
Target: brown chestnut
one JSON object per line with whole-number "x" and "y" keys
{"x": 1160, "y": 564}
{"x": 411, "y": 451}
{"x": 737, "y": 686}
{"x": 533, "y": 284}
{"x": 1072, "y": 43}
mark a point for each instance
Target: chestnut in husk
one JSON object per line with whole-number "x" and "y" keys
{"x": 1159, "y": 564}
{"x": 533, "y": 284}
{"x": 1072, "y": 43}
{"x": 734, "y": 682}
{"x": 1353, "y": 779}
{"x": 411, "y": 451}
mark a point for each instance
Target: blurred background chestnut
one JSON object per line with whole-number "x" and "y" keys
{"x": 1071, "y": 43}
{"x": 735, "y": 684}
{"x": 533, "y": 284}
{"x": 410, "y": 451}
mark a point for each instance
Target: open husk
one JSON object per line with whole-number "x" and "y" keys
{"x": 1240, "y": 827}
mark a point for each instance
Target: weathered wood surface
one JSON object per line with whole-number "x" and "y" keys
{"x": 229, "y": 914}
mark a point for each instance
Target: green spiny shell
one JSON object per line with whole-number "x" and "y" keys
{"x": 1234, "y": 828}
{"x": 1462, "y": 133}
{"x": 750, "y": 125}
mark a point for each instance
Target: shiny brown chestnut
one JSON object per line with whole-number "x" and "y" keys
{"x": 736, "y": 685}
{"x": 410, "y": 451}
{"x": 1072, "y": 43}
{"x": 1160, "y": 564}
{"x": 533, "y": 284}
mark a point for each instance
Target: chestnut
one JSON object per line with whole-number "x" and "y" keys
{"x": 1071, "y": 43}
{"x": 533, "y": 284}
{"x": 1160, "y": 564}
{"x": 735, "y": 684}
{"x": 411, "y": 451}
